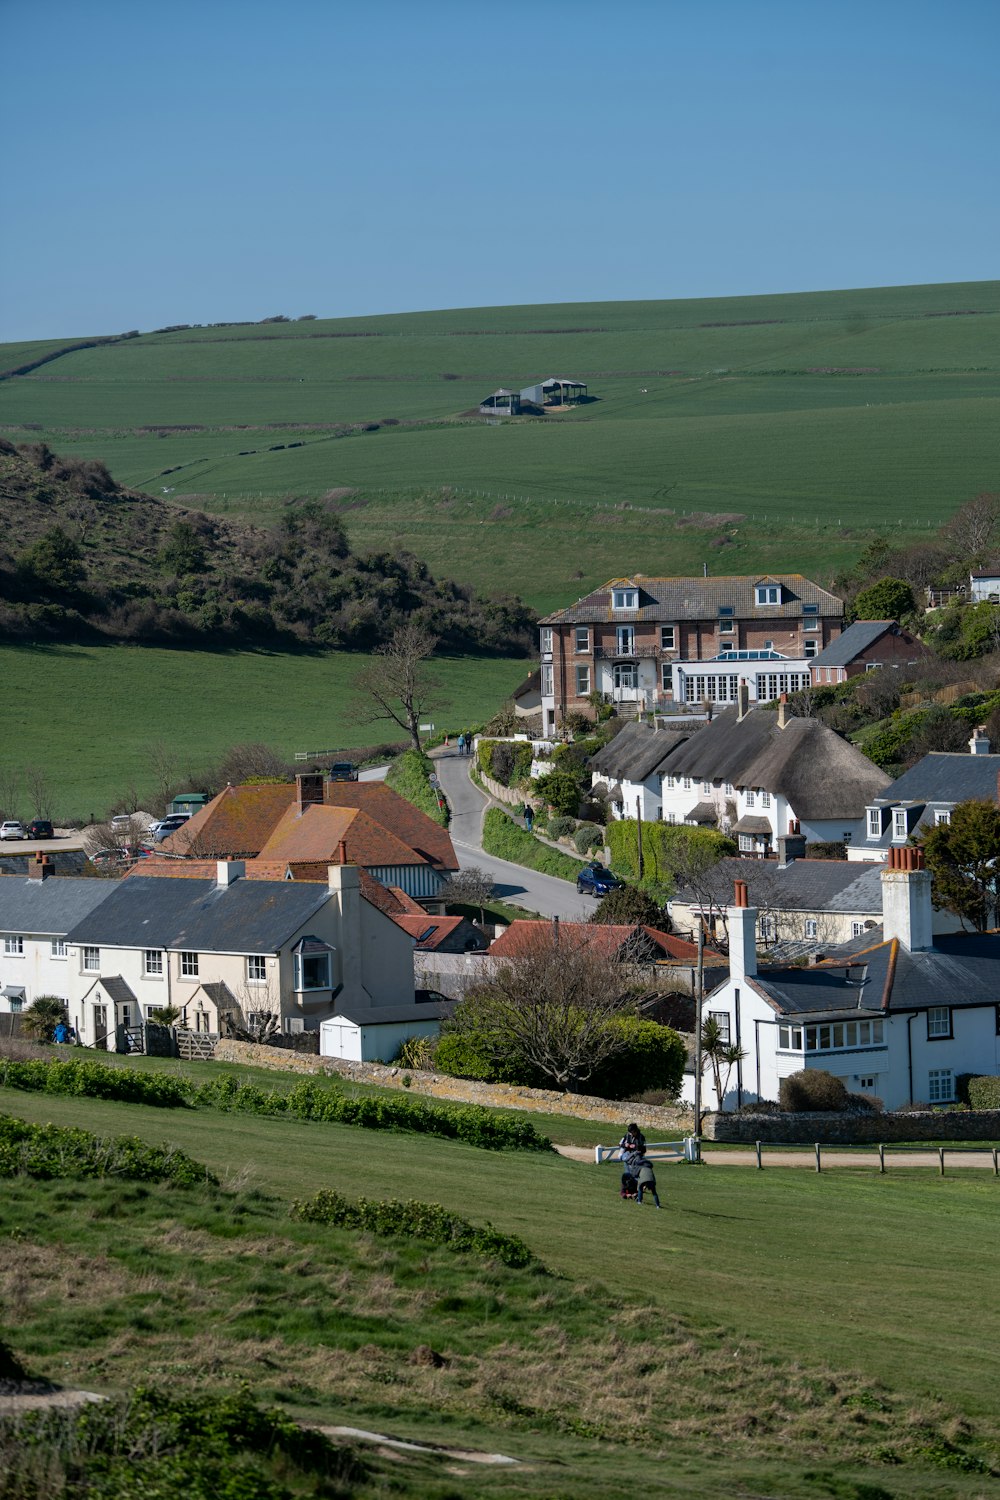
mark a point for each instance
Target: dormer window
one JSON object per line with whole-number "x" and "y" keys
{"x": 768, "y": 593}
{"x": 874, "y": 823}
{"x": 899, "y": 829}
{"x": 624, "y": 598}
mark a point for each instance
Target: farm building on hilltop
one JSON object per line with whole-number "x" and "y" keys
{"x": 554, "y": 392}
{"x": 502, "y": 403}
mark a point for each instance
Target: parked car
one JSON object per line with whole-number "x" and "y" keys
{"x": 168, "y": 825}
{"x": 12, "y": 829}
{"x": 596, "y": 880}
{"x": 342, "y": 770}
{"x": 40, "y": 828}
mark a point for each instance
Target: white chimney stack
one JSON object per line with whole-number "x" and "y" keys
{"x": 742, "y": 935}
{"x": 979, "y": 743}
{"x": 907, "y": 914}
{"x": 345, "y": 886}
{"x": 228, "y": 871}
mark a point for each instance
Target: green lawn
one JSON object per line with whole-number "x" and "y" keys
{"x": 791, "y": 428}
{"x": 88, "y": 714}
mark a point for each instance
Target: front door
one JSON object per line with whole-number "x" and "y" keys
{"x": 100, "y": 1025}
{"x": 626, "y": 675}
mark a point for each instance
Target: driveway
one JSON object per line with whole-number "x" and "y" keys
{"x": 545, "y": 894}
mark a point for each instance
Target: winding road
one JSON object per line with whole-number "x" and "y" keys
{"x": 545, "y": 894}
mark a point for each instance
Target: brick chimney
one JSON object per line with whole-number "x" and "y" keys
{"x": 43, "y": 867}
{"x": 783, "y": 714}
{"x": 742, "y": 700}
{"x": 791, "y": 845}
{"x": 906, "y": 899}
{"x": 742, "y": 919}
{"x": 308, "y": 790}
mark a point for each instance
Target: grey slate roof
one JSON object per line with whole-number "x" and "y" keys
{"x": 63, "y": 862}
{"x": 250, "y": 916}
{"x": 50, "y": 907}
{"x": 821, "y": 775}
{"x": 944, "y": 776}
{"x": 808, "y": 885}
{"x": 119, "y": 990}
{"x": 395, "y": 1015}
{"x": 856, "y": 638}
{"x": 960, "y": 970}
{"x": 637, "y": 751}
{"x": 672, "y": 599}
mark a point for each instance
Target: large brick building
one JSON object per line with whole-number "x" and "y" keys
{"x": 661, "y": 641}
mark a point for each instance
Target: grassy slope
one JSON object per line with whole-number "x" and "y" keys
{"x": 692, "y": 417}
{"x": 88, "y": 714}
{"x": 860, "y": 1284}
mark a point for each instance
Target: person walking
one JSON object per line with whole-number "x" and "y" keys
{"x": 529, "y": 816}
{"x": 461, "y": 744}
{"x": 645, "y": 1181}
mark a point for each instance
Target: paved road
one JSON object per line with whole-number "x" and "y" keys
{"x": 374, "y": 773}
{"x": 66, "y": 838}
{"x": 545, "y": 894}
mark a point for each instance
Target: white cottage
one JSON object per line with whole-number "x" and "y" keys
{"x": 899, "y": 1015}
{"x": 35, "y": 916}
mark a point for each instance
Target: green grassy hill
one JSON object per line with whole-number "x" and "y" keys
{"x": 702, "y": 1350}
{"x": 756, "y": 431}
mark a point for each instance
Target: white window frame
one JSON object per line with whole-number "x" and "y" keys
{"x": 581, "y": 638}
{"x": 844, "y": 1036}
{"x": 60, "y": 948}
{"x": 545, "y": 639}
{"x": 152, "y": 963}
{"x": 666, "y": 677}
{"x": 765, "y": 798}
{"x": 670, "y": 781}
{"x": 548, "y": 680}
{"x": 13, "y": 945}
{"x": 706, "y": 788}
{"x": 810, "y": 648}
{"x": 939, "y": 1023}
{"x": 728, "y": 788}
{"x": 687, "y": 783}
{"x": 940, "y": 1086}
{"x": 749, "y": 798}
{"x": 189, "y": 966}
{"x": 857, "y": 929}
{"x": 874, "y": 822}
{"x": 768, "y": 593}
{"x": 582, "y": 681}
{"x": 790, "y": 1038}
{"x": 811, "y": 927}
{"x": 668, "y": 637}
{"x": 256, "y": 968}
{"x": 942, "y": 815}
{"x": 90, "y": 959}
{"x": 624, "y": 598}
{"x": 724, "y": 1021}
{"x": 899, "y": 828}
{"x": 300, "y": 959}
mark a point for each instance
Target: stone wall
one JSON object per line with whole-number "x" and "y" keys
{"x": 499, "y": 791}
{"x": 836, "y": 1129}
{"x": 654, "y": 1119}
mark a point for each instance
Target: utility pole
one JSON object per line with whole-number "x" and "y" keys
{"x": 699, "y": 995}
{"x": 638, "y": 816}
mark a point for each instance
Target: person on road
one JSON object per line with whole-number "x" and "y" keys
{"x": 461, "y": 744}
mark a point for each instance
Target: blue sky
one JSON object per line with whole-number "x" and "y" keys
{"x": 194, "y": 162}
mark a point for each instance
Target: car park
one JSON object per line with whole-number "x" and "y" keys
{"x": 40, "y": 828}
{"x": 12, "y": 829}
{"x": 596, "y": 880}
{"x": 166, "y": 826}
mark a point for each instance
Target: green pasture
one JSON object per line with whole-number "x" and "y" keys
{"x": 773, "y": 1316}
{"x": 840, "y": 413}
{"x": 88, "y": 714}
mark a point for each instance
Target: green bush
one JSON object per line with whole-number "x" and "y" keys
{"x": 506, "y": 761}
{"x": 461, "y": 1054}
{"x": 653, "y": 1058}
{"x": 562, "y": 788}
{"x": 148, "y": 1444}
{"x": 504, "y": 838}
{"x": 413, "y": 1219}
{"x": 659, "y": 841}
{"x": 560, "y": 826}
{"x": 46, "y": 1151}
{"x": 587, "y": 837}
{"x": 409, "y": 775}
{"x": 95, "y": 1080}
{"x": 984, "y": 1092}
{"x": 811, "y": 1089}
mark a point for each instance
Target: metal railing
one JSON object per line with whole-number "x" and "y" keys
{"x": 655, "y": 1151}
{"x": 882, "y": 1148}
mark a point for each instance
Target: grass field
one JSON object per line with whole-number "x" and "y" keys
{"x": 766, "y": 1334}
{"x": 88, "y": 714}
{"x": 746, "y": 432}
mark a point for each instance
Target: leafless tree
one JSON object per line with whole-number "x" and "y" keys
{"x": 397, "y": 682}
{"x": 252, "y": 762}
{"x": 10, "y": 791}
{"x": 974, "y": 530}
{"x": 552, "y": 1007}
{"x": 40, "y": 791}
{"x": 470, "y": 887}
{"x": 163, "y": 768}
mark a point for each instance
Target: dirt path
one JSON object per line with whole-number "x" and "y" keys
{"x": 830, "y": 1156}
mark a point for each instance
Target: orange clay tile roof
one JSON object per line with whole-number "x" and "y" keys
{"x": 241, "y": 819}
{"x": 389, "y": 899}
{"x": 317, "y": 832}
{"x": 605, "y": 940}
{"x": 427, "y": 932}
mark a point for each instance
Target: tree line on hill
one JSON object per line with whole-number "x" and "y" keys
{"x": 84, "y": 558}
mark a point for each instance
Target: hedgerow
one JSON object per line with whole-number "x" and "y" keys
{"x": 409, "y": 775}
{"x": 46, "y": 1151}
{"x": 472, "y": 1123}
{"x": 422, "y": 1221}
{"x": 503, "y": 837}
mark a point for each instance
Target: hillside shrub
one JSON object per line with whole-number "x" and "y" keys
{"x": 653, "y": 1057}
{"x": 560, "y": 826}
{"x": 46, "y": 1151}
{"x": 587, "y": 837}
{"x": 663, "y": 846}
{"x": 983, "y": 1092}
{"x": 506, "y": 761}
{"x": 811, "y": 1089}
{"x": 562, "y": 788}
{"x": 504, "y": 838}
{"x": 461, "y": 1054}
{"x": 416, "y": 1220}
{"x": 95, "y": 1080}
{"x": 149, "y": 1444}
{"x": 409, "y": 775}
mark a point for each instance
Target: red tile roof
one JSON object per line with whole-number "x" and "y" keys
{"x": 317, "y": 832}
{"x": 605, "y": 940}
{"x": 427, "y": 932}
{"x": 394, "y": 812}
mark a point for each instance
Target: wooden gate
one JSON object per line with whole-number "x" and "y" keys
{"x": 196, "y": 1044}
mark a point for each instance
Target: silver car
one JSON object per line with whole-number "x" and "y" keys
{"x": 12, "y": 829}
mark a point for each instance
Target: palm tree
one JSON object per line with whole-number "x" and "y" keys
{"x": 43, "y": 1016}
{"x": 717, "y": 1049}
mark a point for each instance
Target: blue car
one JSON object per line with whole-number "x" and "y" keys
{"x": 597, "y": 880}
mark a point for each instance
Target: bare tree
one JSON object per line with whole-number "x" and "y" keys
{"x": 252, "y": 762}
{"x": 552, "y": 1008}
{"x": 163, "y": 768}
{"x": 974, "y": 529}
{"x": 40, "y": 791}
{"x": 10, "y": 791}
{"x": 470, "y": 887}
{"x": 397, "y": 681}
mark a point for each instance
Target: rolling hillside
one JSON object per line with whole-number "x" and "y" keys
{"x": 743, "y": 432}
